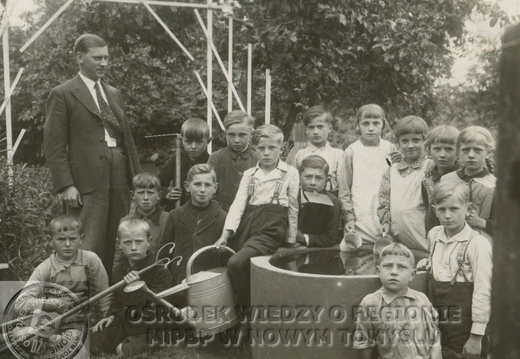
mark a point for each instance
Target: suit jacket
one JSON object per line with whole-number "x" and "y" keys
{"x": 74, "y": 136}
{"x": 321, "y": 222}
{"x": 189, "y": 236}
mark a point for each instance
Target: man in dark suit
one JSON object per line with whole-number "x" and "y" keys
{"x": 89, "y": 148}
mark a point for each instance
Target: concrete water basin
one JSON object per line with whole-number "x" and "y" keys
{"x": 304, "y": 302}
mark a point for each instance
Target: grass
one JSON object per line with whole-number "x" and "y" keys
{"x": 213, "y": 350}
{"x": 183, "y": 352}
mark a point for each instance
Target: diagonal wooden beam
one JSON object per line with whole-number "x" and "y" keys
{"x": 15, "y": 147}
{"x": 11, "y": 89}
{"x": 219, "y": 60}
{"x": 215, "y": 112}
{"x": 166, "y": 3}
{"x": 46, "y": 25}
{"x": 165, "y": 27}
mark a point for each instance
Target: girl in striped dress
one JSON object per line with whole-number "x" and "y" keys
{"x": 402, "y": 209}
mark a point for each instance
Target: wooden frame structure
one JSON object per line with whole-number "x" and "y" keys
{"x": 225, "y": 6}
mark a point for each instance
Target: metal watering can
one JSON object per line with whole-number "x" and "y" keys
{"x": 351, "y": 241}
{"x": 211, "y": 299}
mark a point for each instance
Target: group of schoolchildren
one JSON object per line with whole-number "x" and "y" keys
{"x": 433, "y": 197}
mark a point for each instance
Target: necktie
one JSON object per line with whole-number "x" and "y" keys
{"x": 107, "y": 116}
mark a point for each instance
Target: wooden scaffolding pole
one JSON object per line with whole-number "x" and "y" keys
{"x": 219, "y": 59}
{"x": 7, "y": 87}
{"x": 267, "y": 96}
{"x": 249, "y": 77}
{"x": 209, "y": 72}
{"x": 230, "y": 64}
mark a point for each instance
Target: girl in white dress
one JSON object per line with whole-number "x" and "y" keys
{"x": 363, "y": 165}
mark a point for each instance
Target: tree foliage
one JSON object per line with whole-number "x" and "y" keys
{"x": 474, "y": 100}
{"x": 347, "y": 53}
{"x": 338, "y": 53}
{"x": 27, "y": 205}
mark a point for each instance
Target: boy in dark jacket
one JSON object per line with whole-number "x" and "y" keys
{"x": 196, "y": 224}
{"x": 231, "y": 162}
{"x": 195, "y": 139}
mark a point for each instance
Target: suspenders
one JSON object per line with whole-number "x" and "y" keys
{"x": 331, "y": 181}
{"x": 277, "y": 188}
{"x": 460, "y": 260}
{"x": 251, "y": 185}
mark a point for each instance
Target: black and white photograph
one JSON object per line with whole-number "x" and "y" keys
{"x": 258, "y": 179}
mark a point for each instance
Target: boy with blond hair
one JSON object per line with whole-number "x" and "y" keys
{"x": 116, "y": 332}
{"x": 264, "y": 213}
{"x": 397, "y": 321}
{"x": 461, "y": 269}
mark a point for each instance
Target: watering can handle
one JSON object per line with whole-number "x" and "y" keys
{"x": 196, "y": 254}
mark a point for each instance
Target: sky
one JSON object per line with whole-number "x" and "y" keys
{"x": 21, "y": 6}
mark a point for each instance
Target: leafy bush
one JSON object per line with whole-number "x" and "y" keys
{"x": 27, "y": 205}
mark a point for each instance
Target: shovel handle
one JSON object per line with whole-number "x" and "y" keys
{"x": 196, "y": 254}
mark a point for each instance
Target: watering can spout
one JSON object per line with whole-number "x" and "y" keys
{"x": 211, "y": 300}
{"x": 171, "y": 291}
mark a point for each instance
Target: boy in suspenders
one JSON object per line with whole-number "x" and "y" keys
{"x": 460, "y": 265}
{"x": 264, "y": 213}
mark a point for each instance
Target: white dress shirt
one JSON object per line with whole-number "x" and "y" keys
{"x": 111, "y": 142}
{"x": 330, "y": 154}
{"x": 264, "y": 188}
{"x": 477, "y": 267}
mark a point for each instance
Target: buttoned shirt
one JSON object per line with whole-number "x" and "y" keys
{"x": 264, "y": 189}
{"x": 477, "y": 266}
{"x": 330, "y": 154}
{"x": 400, "y": 326}
{"x": 85, "y": 276}
{"x": 111, "y": 142}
